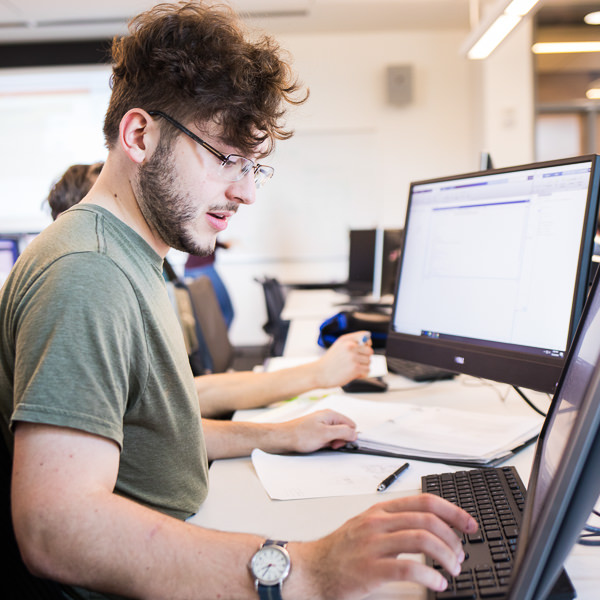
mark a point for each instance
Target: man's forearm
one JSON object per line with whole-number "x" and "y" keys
{"x": 228, "y": 439}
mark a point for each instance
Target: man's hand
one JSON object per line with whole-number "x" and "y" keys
{"x": 345, "y": 360}
{"x": 363, "y": 553}
{"x": 321, "y": 429}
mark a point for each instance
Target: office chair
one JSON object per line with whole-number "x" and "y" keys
{"x": 18, "y": 583}
{"x": 212, "y": 351}
{"x": 276, "y": 327}
{"x": 212, "y": 326}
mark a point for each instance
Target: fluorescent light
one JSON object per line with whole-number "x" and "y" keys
{"x": 499, "y": 23}
{"x": 592, "y": 18}
{"x": 498, "y": 30}
{"x": 520, "y": 7}
{"x": 565, "y": 47}
{"x": 593, "y": 92}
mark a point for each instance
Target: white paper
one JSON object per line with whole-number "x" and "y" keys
{"x": 329, "y": 473}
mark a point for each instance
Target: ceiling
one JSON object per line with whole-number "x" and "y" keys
{"x": 26, "y": 20}
{"x": 31, "y": 20}
{"x": 47, "y": 20}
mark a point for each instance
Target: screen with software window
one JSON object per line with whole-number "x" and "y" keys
{"x": 494, "y": 270}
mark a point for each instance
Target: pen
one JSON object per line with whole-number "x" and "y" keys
{"x": 385, "y": 484}
{"x": 364, "y": 339}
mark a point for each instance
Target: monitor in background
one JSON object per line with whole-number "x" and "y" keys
{"x": 373, "y": 261}
{"x": 485, "y": 161}
{"x": 361, "y": 261}
{"x": 9, "y": 252}
{"x": 390, "y": 258}
{"x": 494, "y": 269}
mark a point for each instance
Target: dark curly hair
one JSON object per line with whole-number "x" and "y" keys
{"x": 197, "y": 64}
{"x": 73, "y": 185}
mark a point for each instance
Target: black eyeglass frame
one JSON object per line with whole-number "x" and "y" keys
{"x": 224, "y": 158}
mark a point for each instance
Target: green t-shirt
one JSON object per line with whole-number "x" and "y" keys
{"x": 89, "y": 340}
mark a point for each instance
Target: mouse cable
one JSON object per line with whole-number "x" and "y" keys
{"x": 531, "y": 404}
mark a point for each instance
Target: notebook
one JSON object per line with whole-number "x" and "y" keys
{"x": 562, "y": 491}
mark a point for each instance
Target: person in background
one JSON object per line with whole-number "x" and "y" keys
{"x": 196, "y": 266}
{"x": 99, "y": 406}
{"x": 72, "y": 186}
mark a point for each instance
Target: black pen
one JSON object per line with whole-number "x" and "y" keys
{"x": 385, "y": 484}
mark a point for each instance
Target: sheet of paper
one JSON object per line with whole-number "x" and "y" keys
{"x": 377, "y": 368}
{"x": 328, "y": 474}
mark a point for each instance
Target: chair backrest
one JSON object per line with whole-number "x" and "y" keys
{"x": 18, "y": 583}
{"x": 211, "y": 322}
{"x": 276, "y": 327}
{"x": 208, "y": 345}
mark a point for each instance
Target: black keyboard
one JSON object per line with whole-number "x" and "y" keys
{"x": 495, "y": 497}
{"x": 417, "y": 371}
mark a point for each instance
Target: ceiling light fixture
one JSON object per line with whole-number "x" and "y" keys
{"x": 593, "y": 92}
{"x": 500, "y": 21}
{"x": 592, "y": 18}
{"x": 565, "y": 47}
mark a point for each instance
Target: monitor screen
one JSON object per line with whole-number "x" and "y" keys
{"x": 564, "y": 485}
{"x": 494, "y": 270}
{"x": 9, "y": 251}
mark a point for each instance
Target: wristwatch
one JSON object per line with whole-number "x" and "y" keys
{"x": 270, "y": 566}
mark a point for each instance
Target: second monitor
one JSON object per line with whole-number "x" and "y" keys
{"x": 373, "y": 261}
{"x": 494, "y": 270}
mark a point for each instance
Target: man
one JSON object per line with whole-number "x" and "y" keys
{"x": 98, "y": 402}
{"x": 221, "y": 394}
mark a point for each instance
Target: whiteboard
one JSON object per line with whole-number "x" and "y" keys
{"x": 50, "y": 119}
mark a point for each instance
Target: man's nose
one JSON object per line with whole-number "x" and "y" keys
{"x": 244, "y": 190}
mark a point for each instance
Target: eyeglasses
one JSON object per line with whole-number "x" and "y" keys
{"x": 233, "y": 167}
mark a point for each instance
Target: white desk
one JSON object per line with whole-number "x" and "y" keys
{"x": 238, "y": 502}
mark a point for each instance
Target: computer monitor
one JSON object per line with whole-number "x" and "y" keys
{"x": 390, "y": 258}
{"x": 373, "y": 261}
{"x": 494, "y": 270}
{"x": 361, "y": 261}
{"x": 9, "y": 252}
{"x": 485, "y": 161}
{"x": 564, "y": 484}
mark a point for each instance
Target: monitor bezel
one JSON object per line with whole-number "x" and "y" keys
{"x": 487, "y": 359}
{"x": 546, "y": 540}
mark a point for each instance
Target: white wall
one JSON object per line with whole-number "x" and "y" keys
{"x": 352, "y": 158}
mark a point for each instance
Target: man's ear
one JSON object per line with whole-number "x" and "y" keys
{"x": 138, "y": 135}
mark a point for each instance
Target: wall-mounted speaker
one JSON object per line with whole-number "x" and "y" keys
{"x": 399, "y": 84}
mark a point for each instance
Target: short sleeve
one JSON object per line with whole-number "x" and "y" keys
{"x": 79, "y": 329}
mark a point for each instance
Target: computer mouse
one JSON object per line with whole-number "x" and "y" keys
{"x": 365, "y": 384}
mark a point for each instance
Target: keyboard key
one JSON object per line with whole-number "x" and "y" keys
{"x": 494, "y": 592}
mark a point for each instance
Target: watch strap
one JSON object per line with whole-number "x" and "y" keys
{"x": 270, "y": 592}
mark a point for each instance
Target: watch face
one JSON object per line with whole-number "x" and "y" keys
{"x": 270, "y": 565}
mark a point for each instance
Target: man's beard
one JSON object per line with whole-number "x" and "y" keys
{"x": 166, "y": 210}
